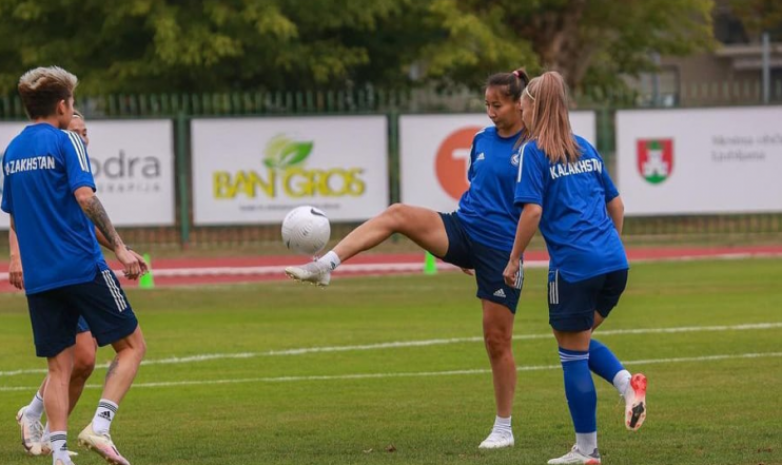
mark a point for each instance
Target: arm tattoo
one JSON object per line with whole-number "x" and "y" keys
{"x": 97, "y": 214}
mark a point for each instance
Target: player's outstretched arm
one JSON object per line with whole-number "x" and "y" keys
{"x": 94, "y": 210}
{"x": 15, "y": 276}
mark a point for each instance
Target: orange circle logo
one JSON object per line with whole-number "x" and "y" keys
{"x": 453, "y": 157}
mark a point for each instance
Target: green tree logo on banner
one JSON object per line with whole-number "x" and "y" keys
{"x": 282, "y": 152}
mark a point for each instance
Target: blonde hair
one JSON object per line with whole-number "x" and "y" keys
{"x": 550, "y": 121}
{"x": 42, "y": 89}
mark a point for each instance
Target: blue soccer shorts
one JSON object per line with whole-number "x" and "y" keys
{"x": 572, "y": 305}
{"x": 102, "y": 302}
{"x": 488, "y": 263}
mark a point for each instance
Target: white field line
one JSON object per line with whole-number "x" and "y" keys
{"x": 280, "y": 269}
{"x": 401, "y": 267}
{"x": 419, "y": 343}
{"x": 288, "y": 379}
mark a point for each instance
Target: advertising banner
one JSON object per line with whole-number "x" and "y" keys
{"x": 435, "y": 153}
{"x": 133, "y": 166}
{"x": 699, "y": 161}
{"x": 255, "y": 170}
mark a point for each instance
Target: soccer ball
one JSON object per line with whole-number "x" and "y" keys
{"x": 306, "y": 230}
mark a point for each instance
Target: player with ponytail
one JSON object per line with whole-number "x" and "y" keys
{"x": 564, "y": 188}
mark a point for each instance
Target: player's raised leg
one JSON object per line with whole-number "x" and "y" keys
{"x": 603, "y": 362}
{"x": 423, "y": 226}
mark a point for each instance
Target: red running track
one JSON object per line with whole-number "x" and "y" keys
{"x": 199, "y": 271}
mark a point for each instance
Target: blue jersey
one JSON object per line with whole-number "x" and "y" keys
{"x": 43, "y": 167}
{"x": 581, "y": 238}
{"x": 486, "y": 209}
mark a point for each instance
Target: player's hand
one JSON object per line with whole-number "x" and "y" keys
{"x": 15, "y": 276}
{"x": 514, "y": 274}
{"x": 130, "y": 264}
{"x": 468, "y": 272}
{"x": 143, "y": 265}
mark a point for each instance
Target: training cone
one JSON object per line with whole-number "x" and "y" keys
{"x": 430, "y": 264}
{"x": 147, "y": 281}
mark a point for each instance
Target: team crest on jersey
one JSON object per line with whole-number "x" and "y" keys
{"x": 514, "y": 160}
{"x": 655, "y": 159}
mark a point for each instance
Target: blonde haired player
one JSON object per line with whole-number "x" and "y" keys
{"x": 49, "y": 193}
{"x": 564, "y": 188}
{"x": 36, "y": 438}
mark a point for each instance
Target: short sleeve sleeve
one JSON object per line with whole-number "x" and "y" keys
{"x": 77, "y": 162}
{"x": 471, "y": 160}
{"x": 610, "y": 189}
{"x": 7, "y": 202}
{"x": 530, "y": 180}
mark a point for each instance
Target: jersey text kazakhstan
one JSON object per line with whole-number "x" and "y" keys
{"x": 581, "y": 166}
{"x": 29, "y": 164}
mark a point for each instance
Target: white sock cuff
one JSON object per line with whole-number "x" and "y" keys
{"x": 331, "y": 259}
{"x": 502, "y": 422}
{"x": 35, "y": 408}
{"x": 622, "y": 381}
{"x": 108, "y": 405}
{"x": 586, "y": 442}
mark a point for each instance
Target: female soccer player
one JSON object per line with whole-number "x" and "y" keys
{"x": 35, "y": 439}
{"x": 478, "y": 236}
{"x": 62, "y": 262}
{"x": 564, "y": 188}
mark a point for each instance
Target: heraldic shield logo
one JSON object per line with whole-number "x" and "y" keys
{"x": 655, "y": 159}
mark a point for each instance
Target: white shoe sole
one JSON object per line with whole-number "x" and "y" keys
{"x": 635, "y": 415}
{"x": 294, "y": 275}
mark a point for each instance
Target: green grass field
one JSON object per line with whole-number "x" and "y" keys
{"x": 258, "y": 401}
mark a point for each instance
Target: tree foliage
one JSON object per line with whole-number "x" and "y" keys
{"x": 217, "y": 45}
{"x": 580, "y": 38}
{"x": 759, "y": 16}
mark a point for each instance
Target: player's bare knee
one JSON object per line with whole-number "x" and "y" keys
{"x": 83, "y": 360}
{"x": 141, "y": 348}
{"x": 60, "y": 373}
{"x": 82, "y": 369}
{"x": 497, "y": 344}
{"x": 396, "y": 211}
{"x": 139, "y": 345}
{"x": 398, "y": 216}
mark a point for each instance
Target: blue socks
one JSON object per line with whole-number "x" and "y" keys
{"x": 603, "y": 362}
{"x": 580, "y": 390}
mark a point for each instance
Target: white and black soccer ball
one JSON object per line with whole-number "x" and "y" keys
{"x": 306, "y": 230}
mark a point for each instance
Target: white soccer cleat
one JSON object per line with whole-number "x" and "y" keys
{"x": 312, "y": 273}
{"x": 60, "y": 462}
{"x": 576, "y": 456}
{"x": 635, "y": 402}
{"x": 102, "y": 445}
{"x": 498, "y": 440}
{"x": 46, "y": 446}
{"x": 32, "y": 431}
